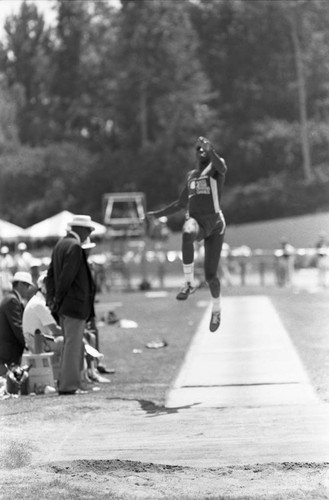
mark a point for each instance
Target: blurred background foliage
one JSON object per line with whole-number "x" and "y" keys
{"x": 112, "y": 99}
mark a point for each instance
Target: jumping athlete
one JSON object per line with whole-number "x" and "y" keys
{"x": 204, "y": 220}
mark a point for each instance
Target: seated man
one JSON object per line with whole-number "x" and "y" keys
{"x": 12, "y": 342}
{"x": 37, "y": 316}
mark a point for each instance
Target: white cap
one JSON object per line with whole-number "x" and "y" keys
{"x": 22, "y": 246}
{"x": 23, "y": 277}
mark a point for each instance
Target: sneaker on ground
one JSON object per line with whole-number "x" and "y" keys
{"x": 214, "y": 321}
{"x": 186, "y": 290}
{"x": 104, "y": 369}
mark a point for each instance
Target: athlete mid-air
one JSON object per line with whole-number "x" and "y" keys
{"x": 204, "y": 221}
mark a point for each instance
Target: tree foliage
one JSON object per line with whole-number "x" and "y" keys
{"x": 112, "y": 99}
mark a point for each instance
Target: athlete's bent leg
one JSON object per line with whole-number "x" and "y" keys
{"x": 190, "y": 233}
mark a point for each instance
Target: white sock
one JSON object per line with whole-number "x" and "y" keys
{"x": 189, "y": 273}
{"x": 216, "y": 304}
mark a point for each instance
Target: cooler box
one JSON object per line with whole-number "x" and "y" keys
{"x": 41, "y": 371}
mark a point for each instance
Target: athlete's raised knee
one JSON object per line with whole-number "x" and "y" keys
{"x": 190, "y": 226}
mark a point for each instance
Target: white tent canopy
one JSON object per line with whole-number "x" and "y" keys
{"x": 56, "y": 227}
{"x": 10, "y": 232}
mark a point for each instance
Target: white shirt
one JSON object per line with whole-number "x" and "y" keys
{"x": 36, "y": 315}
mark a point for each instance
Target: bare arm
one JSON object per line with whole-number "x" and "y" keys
{"x": 174, "y": 207}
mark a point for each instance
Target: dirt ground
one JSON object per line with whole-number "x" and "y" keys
{"x": 29, "y": 468}
{"x": 116, "y": 479}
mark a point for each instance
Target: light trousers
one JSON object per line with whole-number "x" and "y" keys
{"x": 69, "y": 378}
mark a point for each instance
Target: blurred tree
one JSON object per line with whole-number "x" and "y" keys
{"x": 25, "y": 61}
{"x": 65, "y": 89}
{"x": 162, "y": 94}
{"x": 84, "y": 77}
{"x": 131, "y": 88}
{"x": 95, "y": 117}
{"x": 8, "y": 116}
{"x": 261, "y": 64}
{"x": 38, "y": 182}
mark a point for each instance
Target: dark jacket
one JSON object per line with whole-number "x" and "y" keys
{"x": 12, "y": 341}
{"x": 69, "y": 283}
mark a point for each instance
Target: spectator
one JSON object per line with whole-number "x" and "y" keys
{"x": 12, "y": 342}
{"x": 285, "y": 263}
{"x": 322, "y": 258}
{"x": 37, "y": 316}
{"x": 6, "y": 271}
{"x": 23, "y": 258}
{"x": 70, "y": 295}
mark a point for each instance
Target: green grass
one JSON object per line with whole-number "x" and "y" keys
{"x": 143, "y": 373}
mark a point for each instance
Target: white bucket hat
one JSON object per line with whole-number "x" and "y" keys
{"x": 81, "y": 221}
{"x": 23, "y": 277}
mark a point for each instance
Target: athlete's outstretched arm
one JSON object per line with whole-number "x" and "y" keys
{"x": 173, "y": 207}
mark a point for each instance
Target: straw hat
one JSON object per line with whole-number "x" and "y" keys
{"x": 81, "y": 221}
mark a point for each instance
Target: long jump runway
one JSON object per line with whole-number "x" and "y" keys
{"x": 249, "y": 361}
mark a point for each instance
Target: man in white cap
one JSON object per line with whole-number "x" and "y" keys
{"x": 70, "y": 295}
{"x": 12, "y": 342}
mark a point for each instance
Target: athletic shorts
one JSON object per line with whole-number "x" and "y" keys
{"x": 210, "y": 224}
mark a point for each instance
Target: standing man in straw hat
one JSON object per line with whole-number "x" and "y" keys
{"x": 70, "y": 295}
{"x": 12, "y": 342}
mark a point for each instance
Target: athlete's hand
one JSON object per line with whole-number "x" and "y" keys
{"x": 204, "y": 144}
